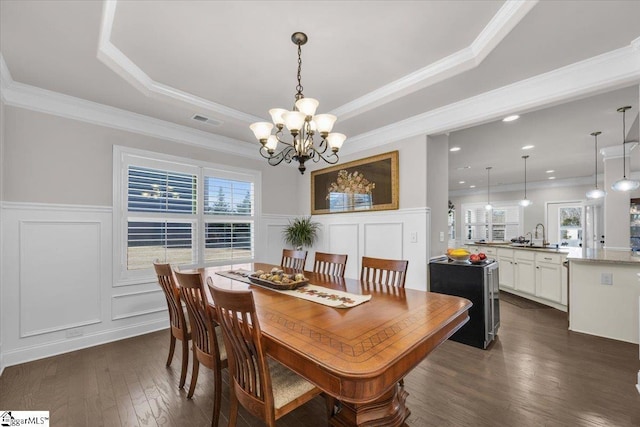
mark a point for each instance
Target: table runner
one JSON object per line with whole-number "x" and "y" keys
{"x": 310, "y": 292}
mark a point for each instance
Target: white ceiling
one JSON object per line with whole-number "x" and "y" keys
{"x": 374, "y": 63}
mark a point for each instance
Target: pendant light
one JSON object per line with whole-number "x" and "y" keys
{"x": 525, "y": 202}
{"x": 595, "y": 192}
{"x": 488, "y": 205}
{"x": 624, "y": 184}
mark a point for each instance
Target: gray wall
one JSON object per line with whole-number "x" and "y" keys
{"x": 438, "y": 190}
{"x": 50, "y": 159}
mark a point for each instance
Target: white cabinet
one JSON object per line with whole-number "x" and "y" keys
{"x": 525, "y": 277}
{"x": 549, "y": 273}
{"x": 507, "y": 270}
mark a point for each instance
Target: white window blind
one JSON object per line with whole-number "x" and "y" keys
{"x": 502, "y": 223}
{"x": 183, "y": 212}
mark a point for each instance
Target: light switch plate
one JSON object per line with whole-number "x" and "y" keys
{"x": 606, "y": 278}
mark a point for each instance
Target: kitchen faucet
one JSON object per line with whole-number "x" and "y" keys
{"x": 544, "y": 237}
{"x": 530, "y": 237}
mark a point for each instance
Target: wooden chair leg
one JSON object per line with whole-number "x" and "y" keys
{"x": 233, "y": 407}
{"x": 217, "y": 397}
{"x": 194, "y": 375}
{"x": 172, "y": 347}
{"x": 185, "y": 362}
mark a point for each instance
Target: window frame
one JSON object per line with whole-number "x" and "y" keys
{"x": 489, "y": 222}
{"x": 123, "y": 157}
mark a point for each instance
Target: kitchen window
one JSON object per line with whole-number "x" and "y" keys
{"x": 502, "y": 223}
{"x": 180, "y": 211}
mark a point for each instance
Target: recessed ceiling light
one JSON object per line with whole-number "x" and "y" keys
{"x": 472, "y": 186}
{"x": 552, "y": 177}
{"x": 550, "y": 171}
{"x": 511, "y": 118}
{"x": 460, "y": 182}
{"x": 454, "y": 149}
{"x": 528, "y": 147}
{"x": 463, "y": 167}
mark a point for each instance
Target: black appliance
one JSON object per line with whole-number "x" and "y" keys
{"x": 479, "y": 284}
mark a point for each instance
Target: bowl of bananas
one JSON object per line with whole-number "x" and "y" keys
{"x": 459, "y": 255}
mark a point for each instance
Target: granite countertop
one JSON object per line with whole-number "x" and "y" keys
{"x": 605, "y": 255}
{"x": 577, "y": 254}
{"x": 548, "y": 249}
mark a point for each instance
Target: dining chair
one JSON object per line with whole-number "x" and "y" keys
{"x": 179, "y": 329}
{"x": 208, "y": 347}
{"x": 384, "y": 271}
{"x": 331, "y": 264}
{"x": 295, "y": 260}
{"x": 264, "y": 387}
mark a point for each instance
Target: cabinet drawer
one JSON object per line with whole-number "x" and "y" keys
{"x": 489, "y": 251}
{"x": 524, "y": 254}
{"x": 550, "y": 258}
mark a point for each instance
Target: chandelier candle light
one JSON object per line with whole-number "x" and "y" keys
{"x": 624, "y": 184}
{"x": 525, "y": 202}
{"x": 595, "y": 192}
{"x": 488, "y": 205}
{"x": 303, "y": 123}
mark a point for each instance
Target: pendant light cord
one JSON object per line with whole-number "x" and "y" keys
{"x": 624, "y": 146}
{"x": 595, "y": 157}
{"x": 525, "y": 176}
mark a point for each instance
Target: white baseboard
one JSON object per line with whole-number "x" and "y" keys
{"x": 27, "y": 354}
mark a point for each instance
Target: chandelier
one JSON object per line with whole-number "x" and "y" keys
{"x": 303, "y": 124}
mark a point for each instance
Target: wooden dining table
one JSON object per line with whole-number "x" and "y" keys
{"x": 360, "y": 354}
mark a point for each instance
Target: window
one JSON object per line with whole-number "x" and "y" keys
{"x": 502, "y": 223}
{"x": 570, "y": 226}
{"x": 180, "y": 211}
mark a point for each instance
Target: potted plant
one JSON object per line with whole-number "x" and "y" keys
{"x": 301, "y": 232}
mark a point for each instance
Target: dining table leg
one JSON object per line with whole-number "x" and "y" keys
{"x": 389, "y": 411}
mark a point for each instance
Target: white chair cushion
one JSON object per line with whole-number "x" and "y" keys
{"x": 287, "y": 385}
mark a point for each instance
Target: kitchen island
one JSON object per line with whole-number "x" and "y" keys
{"x": 604, "y": 294}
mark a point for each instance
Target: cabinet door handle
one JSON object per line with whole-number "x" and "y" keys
{"x": 537, "y": 266}
{"x": 547, "y": 258}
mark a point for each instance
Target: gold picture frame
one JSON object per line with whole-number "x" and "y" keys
{"x": 369, "y": 184}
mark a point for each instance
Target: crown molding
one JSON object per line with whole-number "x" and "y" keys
{"x": 615, "y": 151}
{"x": 509, "y": 15}
{"x": 611, "y": 70}
{"x": 36, "y": 99}
{"x": 118, "y": 62}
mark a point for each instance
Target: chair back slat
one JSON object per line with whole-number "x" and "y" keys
{"x": 384, "y": 271}
{"x": 172, "y": 295}
{"x": 331, "y": 264}
{"x": 202, "y": 325}
{"x": 295, "y": 260}
{"x": 247, "y": 362}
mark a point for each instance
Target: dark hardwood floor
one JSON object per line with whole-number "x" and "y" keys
{"x": 536, "y": 374}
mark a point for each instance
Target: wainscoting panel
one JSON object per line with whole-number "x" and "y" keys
{"x": 270, "y": 249}
{"x": 383, "y": 240}
{"x": 343, "y": 239}
{"x": 384, "y": 234}
{"x": 57, "y": 283}
{"x": 59, "y": 275}
{"x": 135, "y": 304}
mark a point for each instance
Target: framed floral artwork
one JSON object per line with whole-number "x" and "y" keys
{"x": 369, "y": 184}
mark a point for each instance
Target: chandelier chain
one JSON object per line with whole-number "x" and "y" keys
{"x": 299, "y": 87}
